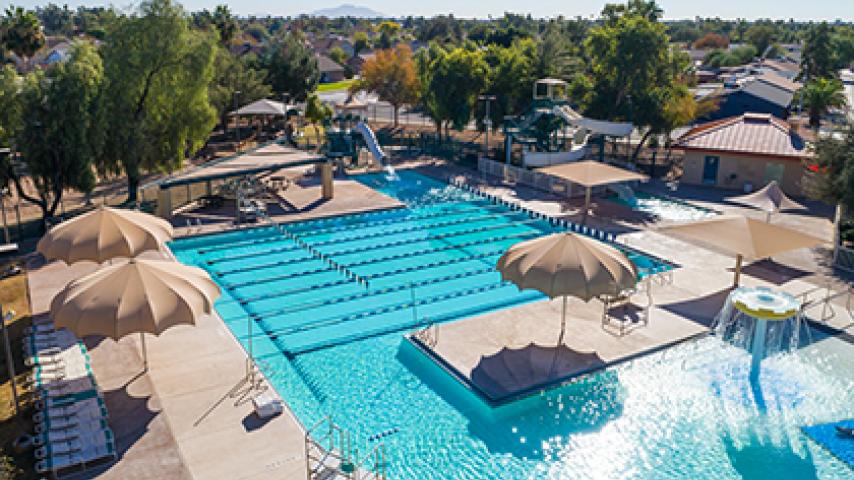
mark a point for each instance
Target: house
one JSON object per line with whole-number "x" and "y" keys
{"x": 325, "y": 45}
{"x": 355, "y": 63}
{"x": 765, "y": 93}
{"x": 744, "y": 153}
{"x": 783, "y": 68}
{"x": 330, "y": 71}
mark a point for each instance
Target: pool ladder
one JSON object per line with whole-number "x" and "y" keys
{"x": 330, "y": 455}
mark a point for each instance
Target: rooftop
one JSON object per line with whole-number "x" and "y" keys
{"x": 751, "y": 133}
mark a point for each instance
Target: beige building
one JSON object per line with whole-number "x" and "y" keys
{"x": 744, "y": 153}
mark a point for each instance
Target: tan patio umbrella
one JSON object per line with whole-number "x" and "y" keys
{"x": 769, "y": 199}
{"x": 568, "y": 264}
{"x": 590, "y": 173}
{"x": 138, "y": 296}
{"x": 743, "y": 237}
{"x": 103, "y": 234}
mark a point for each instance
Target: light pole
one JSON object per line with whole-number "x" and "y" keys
{"x": 9, "y": 365}
{"x": 487, "y": 122}
{"x": 237, "y": 119}
{"x": 3, "y": 193}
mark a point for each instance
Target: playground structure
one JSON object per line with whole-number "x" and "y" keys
{"x": 347, "y": 134}
{"x": 551, "y": 132}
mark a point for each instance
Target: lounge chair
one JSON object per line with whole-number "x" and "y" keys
{"x": 88, "y": 457}
{"x": 91, "y": 408}
{"x": 55, "y": 355}
{"x": 65, "y": 400}
{"x": 74, "y": 441}
{"x": 69, "y": 423}
{"x": 620, "y": 301}
{"x": 66, "y": 387}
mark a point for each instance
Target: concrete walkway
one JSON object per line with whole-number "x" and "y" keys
{"x": 190, "y": 415}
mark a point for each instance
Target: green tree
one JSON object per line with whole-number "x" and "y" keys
{"x": 388, "y": 31}
{"x": 316, "y": 112}
{"x": 830, "y": 174}
{"x": 58, "y": 138}
{"x": 10, "y": 98}
{"x": 817, "y": 59}
{"x": 554, "y": 56}
{"x": 391, "y": 75}
{"x": 21, "y": 32}
{"x": 233, "y": 74}
{"x": 761, "y": 37}
{"x": 512, "y": 72}
{"x": 156, "y": 107}
{"x": 634, "y": 72}
{"x": 451, "y": 82}
{"x": 291, "y": 67}
{"x": 819, "y": 95}
{"x": 337, "y": 55}
{"x": 360, "y": 42}
{"x": 225, "y": 24}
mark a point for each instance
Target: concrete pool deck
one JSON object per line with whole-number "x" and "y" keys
{"x": 184, "y": 418}
{"x": 300, "y": 201}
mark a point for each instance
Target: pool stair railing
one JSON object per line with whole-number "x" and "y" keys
{"x": 331, "y": 455}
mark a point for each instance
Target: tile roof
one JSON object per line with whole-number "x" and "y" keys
{"x": 326, "y": 64}
{"x": 769, "y": 91}
{"x": 779, "y": 81}
{"x": 751, "y": 133}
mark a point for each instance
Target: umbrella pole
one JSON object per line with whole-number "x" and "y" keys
{"x": 767, "y": 217}
{"x": 738, "y": 261}
{"x": 586, "y": 205}
{"x": 562, "y": 322}
{"x": 560, "y": 338}
{"x": 144, "y": 352}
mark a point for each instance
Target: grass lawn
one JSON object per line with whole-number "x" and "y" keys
{"x": 13, "y": 296}
{"x": 335, "y": 86}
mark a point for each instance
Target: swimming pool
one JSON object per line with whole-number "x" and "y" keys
{"x": 665, "y": 208}
{"x": 332, "y": 347}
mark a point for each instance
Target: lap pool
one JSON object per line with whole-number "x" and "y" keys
{"x": 329, "y": 300}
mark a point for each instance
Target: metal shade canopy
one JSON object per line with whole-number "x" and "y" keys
{"x": 743, "y": 237}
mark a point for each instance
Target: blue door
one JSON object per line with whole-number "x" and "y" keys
{"x": 710, "y": 169}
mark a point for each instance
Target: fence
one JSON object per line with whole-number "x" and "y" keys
{"x": 529, "y": 178}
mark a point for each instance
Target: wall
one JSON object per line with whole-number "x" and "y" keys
{"x": 746, "y": 169}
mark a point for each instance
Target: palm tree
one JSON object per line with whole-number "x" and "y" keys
{"x": 21, "y": 32}
{"x": 820, "y": 95}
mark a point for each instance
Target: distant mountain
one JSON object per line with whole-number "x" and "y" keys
{"x": 347, "y": 10}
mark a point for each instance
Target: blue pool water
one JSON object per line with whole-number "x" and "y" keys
{"x": 666, "y": 208}
{"x": 333, "y": 347}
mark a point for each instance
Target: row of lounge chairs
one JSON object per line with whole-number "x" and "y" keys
{"x": 71, "y": 430}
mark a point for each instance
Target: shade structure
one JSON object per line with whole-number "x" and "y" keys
{"x": 589, "y": 174}
{"x": 568, "y": 265}
{"x": 352, "y": 103}
{"x": 137, "y": 296}
{"x": 770, "y": 199}
{"x": 743, "y": 237}
{"x": 264, "y": 107}
{"x": 103, "y": 234}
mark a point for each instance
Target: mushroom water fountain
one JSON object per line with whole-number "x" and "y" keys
{"x": 762, "y": 321}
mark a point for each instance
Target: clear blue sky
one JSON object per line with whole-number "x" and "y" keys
{"x": 750, "y": 9}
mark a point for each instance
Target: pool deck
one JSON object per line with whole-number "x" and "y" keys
{"x": 300, "y": 201}
{"x": 188, "y": 416}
